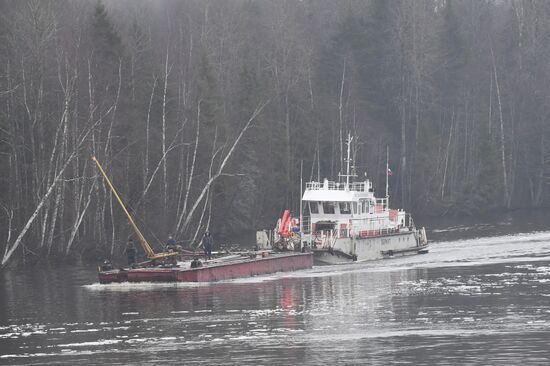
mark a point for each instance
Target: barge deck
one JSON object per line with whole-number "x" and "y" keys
{"x": 214, "y": 270}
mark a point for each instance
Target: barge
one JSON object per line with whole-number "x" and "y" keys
{"x": 165, "y": 267}
{"x": 214, "y": 270}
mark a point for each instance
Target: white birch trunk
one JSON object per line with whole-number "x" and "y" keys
{"x": 221, "y": 167}
{"x": 502, "y": 141}
{"x": 190, "y": 179}
{"x": 164, "y": 169}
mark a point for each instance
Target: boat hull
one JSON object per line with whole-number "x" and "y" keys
{"x": 360, "y": 249}
{"x": 210, "y": 271}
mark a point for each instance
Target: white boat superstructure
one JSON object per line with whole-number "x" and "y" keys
{"x": 346, "y": 222}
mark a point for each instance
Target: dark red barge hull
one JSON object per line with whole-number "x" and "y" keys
{"x": 210, "y": 271}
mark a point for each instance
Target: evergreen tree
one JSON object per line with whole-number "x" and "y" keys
{"x": 380, "y": 65}
{"x": 106, "y": 41}
{"x": 213, "y": 136}
{"x": 453, "y": 55}
{"x": 106, "y": 53}
{"x": 208, "y": 93}
{"x": 244, "y": 191}
{"x": 488, "y": 187}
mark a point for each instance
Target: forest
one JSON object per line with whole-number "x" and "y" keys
{"x": 208, "y": 114}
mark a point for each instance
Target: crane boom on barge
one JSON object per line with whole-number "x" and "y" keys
{"x": 151, "y": 255}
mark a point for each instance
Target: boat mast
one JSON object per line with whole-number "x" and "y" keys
{"x": 348, "y": 161}
{"x": 387, "y": 176}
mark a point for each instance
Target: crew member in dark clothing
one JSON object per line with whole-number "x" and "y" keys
{"x": 196, "y": 263}
{"x": 107, "y": 265}
{"x": 207, "y": 243}
{"x": 131, "y": 252}
{"x": 170, "y": 243}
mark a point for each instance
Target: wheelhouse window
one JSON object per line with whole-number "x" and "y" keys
{"x": 364, "y": 206}
{"x": 345, "y": 208}
{"x": 370, "y": 206}
{"x": 314, "y": 207}
{"x": 328, "y": 207}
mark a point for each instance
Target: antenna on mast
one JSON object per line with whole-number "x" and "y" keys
{"x": 348, "y": 161}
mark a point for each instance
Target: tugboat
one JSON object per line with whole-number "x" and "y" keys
{"x": 346, "y": 222}
{"x": 164, "y": 267}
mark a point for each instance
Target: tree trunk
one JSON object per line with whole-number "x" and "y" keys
{"x": 502, "y": 141}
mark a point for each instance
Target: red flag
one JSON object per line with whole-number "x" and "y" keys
{"x": 390, "y": 173}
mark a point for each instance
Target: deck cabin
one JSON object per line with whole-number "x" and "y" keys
{"x": 341, "y": 209}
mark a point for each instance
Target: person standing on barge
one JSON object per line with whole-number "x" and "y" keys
{"x": 207, "y": 244}
{"x": 131, "y": 252}
{"x": 170, "y": 243}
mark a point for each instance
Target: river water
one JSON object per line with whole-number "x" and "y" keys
{"x": 474, "y": 299}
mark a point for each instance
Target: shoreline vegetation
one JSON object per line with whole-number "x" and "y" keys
{"x": 206, "y": 115}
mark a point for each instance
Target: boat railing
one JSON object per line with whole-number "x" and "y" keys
{"x": 409, "y": 220}
{"x": 323, "y": 239}
{"x": 306, "y": 224}
{"x": 339, "y": 186}
{"x": 379, "y": 226}
{"x": 381, "y": 232}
